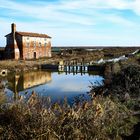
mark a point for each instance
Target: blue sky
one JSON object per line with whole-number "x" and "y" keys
{"x": 75, "y": 22}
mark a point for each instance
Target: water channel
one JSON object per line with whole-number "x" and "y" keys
{"x": 56, "y": 85}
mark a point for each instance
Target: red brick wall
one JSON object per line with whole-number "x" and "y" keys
{"x": 30, "y": 51}
{"x": 21, "y": 51}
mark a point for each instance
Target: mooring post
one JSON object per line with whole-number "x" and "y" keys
{"x": 83, "y": 60}
{"x": 69, "y": 67}
{"x": 81, "y": 69}
{"x": 84, "y": 69}
{"x": 76, "y": 69}
{"x": 73, "y": 68}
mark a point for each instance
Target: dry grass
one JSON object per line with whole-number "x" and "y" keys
{"x": 22, "y": 65}
{"x": 101, "y": 118}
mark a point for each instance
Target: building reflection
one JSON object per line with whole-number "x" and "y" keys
{"x": 27, "y": 80}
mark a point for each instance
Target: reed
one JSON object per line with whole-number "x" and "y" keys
{"x": 103, "y": 117}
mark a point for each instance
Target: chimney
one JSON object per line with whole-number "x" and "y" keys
{"x": 13, "y": 27}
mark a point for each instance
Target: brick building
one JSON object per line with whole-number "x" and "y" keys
{"x": 26, "y": 45}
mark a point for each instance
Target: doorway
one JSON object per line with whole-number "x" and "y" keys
{"x": 34, "y": 55}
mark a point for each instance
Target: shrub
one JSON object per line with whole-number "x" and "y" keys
{"x": 101, "y": 118}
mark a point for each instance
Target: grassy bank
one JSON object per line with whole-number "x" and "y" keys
{"x": 22, "y": 65}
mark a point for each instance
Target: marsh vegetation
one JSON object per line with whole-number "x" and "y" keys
{"x": 111, "y": 113}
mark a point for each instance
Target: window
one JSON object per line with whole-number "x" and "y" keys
{"x": 27, "y": 38}
{"x": 27, "y": 44}
{"x": 34, "y": 44}
{"x": 45, "y": 39}
{"x": 39, "y": 44}
{"x": 45, "y": 44}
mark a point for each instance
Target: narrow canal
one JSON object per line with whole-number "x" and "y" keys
{"x": 56, "y": 85}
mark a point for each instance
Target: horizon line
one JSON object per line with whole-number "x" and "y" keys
{"x": 97, "y": 46}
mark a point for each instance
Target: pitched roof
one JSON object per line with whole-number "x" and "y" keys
{"x": 31, "y": 34}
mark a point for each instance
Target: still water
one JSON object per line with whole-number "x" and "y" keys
{"x": 53, "y": 84}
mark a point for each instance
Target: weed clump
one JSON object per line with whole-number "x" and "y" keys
{"x": 124, "y": 84}
{"x": 101, "y": 118}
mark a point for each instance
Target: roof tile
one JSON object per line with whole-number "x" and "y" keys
{"x": 33, "y": 34}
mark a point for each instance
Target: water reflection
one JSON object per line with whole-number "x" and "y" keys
{"x": 28, "y": 80}
{"x": 53, "y": 84}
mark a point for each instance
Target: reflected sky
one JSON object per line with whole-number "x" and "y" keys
{"x": 52, "y": 84}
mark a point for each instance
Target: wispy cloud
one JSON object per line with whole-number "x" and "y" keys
{"x": 74, "y": 22}
{"x": 56, "y": 11}
{"x": 46, "y": 11}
